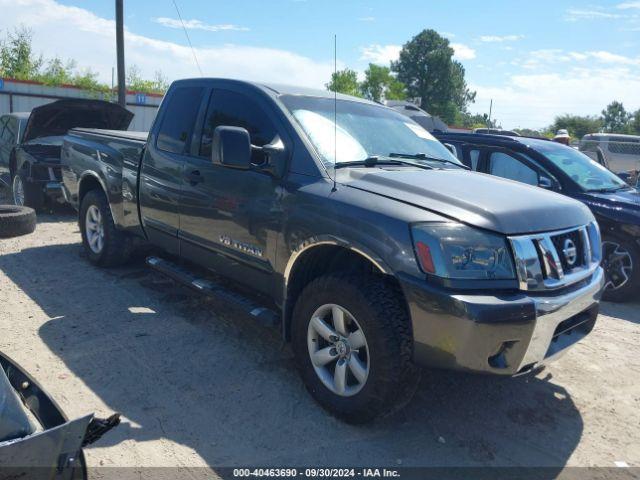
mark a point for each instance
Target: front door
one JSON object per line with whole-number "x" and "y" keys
{"x": 161, "y": 175}
{"x": 229, "y": 218}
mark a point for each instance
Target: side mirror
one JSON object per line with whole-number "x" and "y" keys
{"x": 275, "y": 155}
{"x": 545, "y": 182}
{"x": 451, "y": 148}
{"x": 231, "y": 147}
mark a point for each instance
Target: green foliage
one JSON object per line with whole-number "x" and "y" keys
{"x": 345, "y": 81}
{"x": 529, "y": 132}
{"x": 18, "y": 61}
{"x": 477, "y": 120}
{"x": 615, "y": 118}
{"x": 634, "y": 123}
{"x": 136, "y": 83}
{"x": 578, "y": 126}
{"x": 379, "y": 84}
{"x": 427, "y": 68}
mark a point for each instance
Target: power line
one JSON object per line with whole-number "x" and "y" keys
{"x": 188, "y": 39}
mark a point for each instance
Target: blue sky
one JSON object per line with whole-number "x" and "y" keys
{"x": 534, "y": 59}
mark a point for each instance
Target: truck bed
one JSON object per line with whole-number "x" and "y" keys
{"x": 111, "y": 157}
{"x": 119, "y": 134}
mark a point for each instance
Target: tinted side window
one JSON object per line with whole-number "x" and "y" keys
{"x": 8, "y": 133}
{"x": 236, "y": 110}
{"x": 506, "y": 166}
{"x": 177, "y": 125}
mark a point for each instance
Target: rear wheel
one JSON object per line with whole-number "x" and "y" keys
{"x": 621, "y": 263}
{"x": 25, "y": 193}
{"x": 105, "y": 245}
{"x": 353, "y": 346}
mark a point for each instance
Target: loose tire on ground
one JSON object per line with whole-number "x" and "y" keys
{"x": 26, "y": 193}
{"x": 378, "y": 308}
{"x": 621, "y": 259}
{"x": 16, "y": 220}
{"x": 115, "y": 245}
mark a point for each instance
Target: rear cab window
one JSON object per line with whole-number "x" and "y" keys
{"x": 176, "y": 129}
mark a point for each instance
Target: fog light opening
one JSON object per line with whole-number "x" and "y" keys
{"x": 499, "y": 360}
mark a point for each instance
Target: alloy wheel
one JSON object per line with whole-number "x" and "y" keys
{"x": 617, "y": 263}
{"x": 18, "y": 191}
{"x": 338, "y": 350}
{"x": 94, "y": 229}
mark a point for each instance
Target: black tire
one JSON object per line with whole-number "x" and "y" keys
{"x": 33, "y": 193}
{"x": 377, "y": 306}
{"x": 116, "y": 246}
{"x": 16, "y": 221}
{"x": 625, "y": 254}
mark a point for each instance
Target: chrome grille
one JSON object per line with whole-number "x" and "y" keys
{"x": 547, "y": 261}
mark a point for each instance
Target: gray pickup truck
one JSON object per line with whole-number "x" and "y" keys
{"x": 346, "y": 225}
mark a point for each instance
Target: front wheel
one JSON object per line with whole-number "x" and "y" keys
{"x": 353, "y": 346}
{"x": 105, "y": 245}
{"x": 621, "y": 263}
{"x": 25, "y": 193}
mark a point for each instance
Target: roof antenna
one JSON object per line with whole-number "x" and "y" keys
{"x": 335, "y": 110}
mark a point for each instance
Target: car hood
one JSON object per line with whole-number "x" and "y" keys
{"x": 623, "y": 206}
{"x": 56, "y": 118}
{"x": 473, "y": 198}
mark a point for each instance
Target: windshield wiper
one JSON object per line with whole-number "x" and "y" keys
{"x": 375, "y": 161}
{"x": 424, "y": 156}
{"x": 609, "y": 190}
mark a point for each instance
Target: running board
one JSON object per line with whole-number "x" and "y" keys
{"x": 210, "y": 288}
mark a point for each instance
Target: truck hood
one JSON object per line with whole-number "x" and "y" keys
{"x": 56, "y": 118}
{"x": 476, "y": 199}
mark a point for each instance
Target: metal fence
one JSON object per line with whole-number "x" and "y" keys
{"x": 23, "y": 96}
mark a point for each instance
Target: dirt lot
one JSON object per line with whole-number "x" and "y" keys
{"x": 198, "y": 386}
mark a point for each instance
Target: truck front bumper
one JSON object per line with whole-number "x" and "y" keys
{"x": 499, "y": 334}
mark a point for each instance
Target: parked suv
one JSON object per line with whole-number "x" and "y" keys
{"x": 565, "y": 170}
{"x": 346, "y": 225}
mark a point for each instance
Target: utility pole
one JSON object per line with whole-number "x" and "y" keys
{"x": 122, "y": 92}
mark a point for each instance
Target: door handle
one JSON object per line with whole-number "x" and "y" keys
{"x": 194, "y": 177}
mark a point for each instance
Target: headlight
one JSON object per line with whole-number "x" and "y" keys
{"x": 456, "y": 251}
{"x": 593, "y": 231}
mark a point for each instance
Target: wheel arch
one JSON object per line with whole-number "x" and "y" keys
{"x": 91, "y": 181}
{"x": 320, "y": 256}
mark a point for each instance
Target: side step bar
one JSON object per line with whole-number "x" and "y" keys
{"x": 182, "y": 275}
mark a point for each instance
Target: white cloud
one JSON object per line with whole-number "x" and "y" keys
{"x": 628, "y": 5}
{"x": 574, "y": 14}
{"x": 534, "y": 100}
{"x": 463, "y": 52}
{"x": 500, "y": 39}
{"x": 197, "y": 25}
{"x": 73, "y": 32}
{"x": 385, "y": 54}
{"x": 538, "y": 59}
{"x": 380, "y": 54}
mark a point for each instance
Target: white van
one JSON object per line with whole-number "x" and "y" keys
{"x": 619, "y": 153}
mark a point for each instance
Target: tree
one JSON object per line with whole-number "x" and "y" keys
{"x": 615, "y": 118}
{"x": 135, "y": 82}
{"x": 17, "y": 59}
{"x": 427, "y": 68}
{"x": 379, "y": 84}
{"x": 345, "y": 81}
{"x": 634, "y": 123}
{"x": 578, "y": 126}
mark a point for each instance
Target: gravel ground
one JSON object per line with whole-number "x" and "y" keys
{"x": 197, "y": 385}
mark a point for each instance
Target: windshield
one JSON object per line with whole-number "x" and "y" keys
{"x": 589, "y": 175}
{"x": 362, "y": 131}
